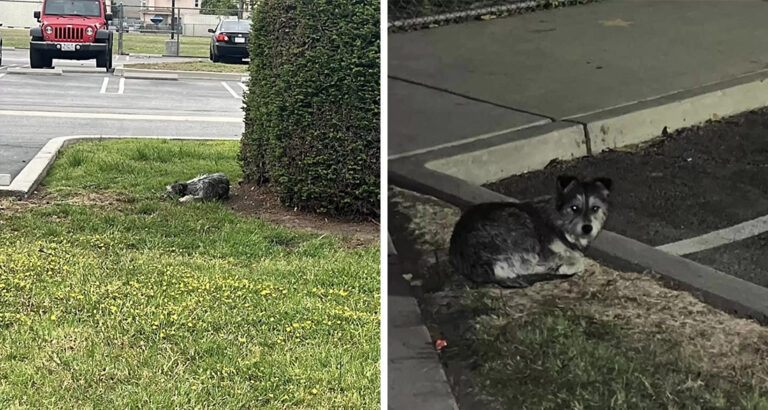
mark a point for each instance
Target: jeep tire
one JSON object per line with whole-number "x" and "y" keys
{"x": 104, "y": 60}
{"x": 38, "y": 59}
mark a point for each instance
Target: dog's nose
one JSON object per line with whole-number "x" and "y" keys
{"x": 587, "y": 229}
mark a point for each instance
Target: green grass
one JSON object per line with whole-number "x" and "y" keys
{"x": 133, "y": 43}
{"x": 13, "y": 37}
{"x": 194, "y": 66}
{"x": 111, "y": 297}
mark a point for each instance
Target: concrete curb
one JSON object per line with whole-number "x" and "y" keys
{"x": 34, "y": 71}
{"x": 531, "y": 148}
{"x": 716, "y": 288}
{"x": 9, "y": 48}
{"x": 561, "y": 140}
{"x": 168, "y": 74}
{"x": 34, "y": 172}
{"x": 644, "y": 120}
{"x": 97, "y": 70}
{"x": 416, "y": 376}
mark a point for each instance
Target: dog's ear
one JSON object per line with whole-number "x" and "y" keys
{"x": 607, "y": 183}
{"x": 564, "y": 181}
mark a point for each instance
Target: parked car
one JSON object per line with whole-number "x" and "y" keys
{"x": 1, "y": 45}
{"x": 230, "y": 40}
{"x": 71, "y": 30}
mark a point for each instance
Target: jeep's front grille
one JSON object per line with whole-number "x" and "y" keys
{"x": 69, "y": 33}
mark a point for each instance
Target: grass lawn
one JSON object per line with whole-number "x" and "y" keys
{"x": 194, "y": 66}
{"x": 602, "y": 340}
{"x": 112, "y": 297}
{"x": 13, "y": 37}
{"x": 133, "y": 43}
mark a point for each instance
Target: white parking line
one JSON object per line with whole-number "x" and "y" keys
{"x": 121, "y": 86}
{"x": 116, "y": 116}
{"x": 104, "y": 85}
{"x": 2, "y": 75}
{"x": 714, "y": 239}
{"x": 231, "y": 91}
{"x": 243, "y": 86}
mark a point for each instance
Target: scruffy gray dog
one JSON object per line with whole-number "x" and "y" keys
{"x": 206, "y": 187}
{"x": 518, "y": 244}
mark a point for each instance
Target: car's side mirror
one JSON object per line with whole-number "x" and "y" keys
{"x": 108, "y": 17}
{"x": 37, "y": 15}
{"x": 210, "y": 30}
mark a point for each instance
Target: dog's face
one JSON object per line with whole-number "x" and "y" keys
{"x": 176, "y": 189}
{"x": 582, "y": 207}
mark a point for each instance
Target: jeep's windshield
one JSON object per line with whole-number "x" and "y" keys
{"x": 88, "y": 8}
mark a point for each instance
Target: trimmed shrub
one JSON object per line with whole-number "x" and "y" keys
{"x": 312, "y": 109}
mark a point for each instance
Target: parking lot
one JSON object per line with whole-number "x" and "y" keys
{"x": 37, "y": 107}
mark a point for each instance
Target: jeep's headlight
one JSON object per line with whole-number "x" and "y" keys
{"x": 89, "y": 31}
{"x": 48, "y": 29}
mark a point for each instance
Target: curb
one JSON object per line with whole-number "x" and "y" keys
{"x": 34, "y": 172}
{"x": 35, "y": 71}
{"x": 175, "y": 75}
{"x": 531, "y": 148}
{"x": 416, "y": 376}
{"x": 713, "y": 287}
{"x": 9, "y": 48}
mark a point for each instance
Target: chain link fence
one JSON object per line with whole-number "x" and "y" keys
{"x": 145, "y": 29}
{"x": 138, "y": 28}
{"x": 418, "y": 14}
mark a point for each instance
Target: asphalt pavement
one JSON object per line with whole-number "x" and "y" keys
{"x": 462, "y": 82}
{"x": 35, "y": 107}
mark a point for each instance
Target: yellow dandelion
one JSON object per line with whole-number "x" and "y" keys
{"x": 53, "y": 317}
{"x": 314, "y": 391}
{"x": 241, "y": 340}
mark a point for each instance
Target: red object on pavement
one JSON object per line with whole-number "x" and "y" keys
{"x": 440, "y": 344}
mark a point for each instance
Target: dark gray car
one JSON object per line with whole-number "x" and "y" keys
{"x": 230, "y": 40}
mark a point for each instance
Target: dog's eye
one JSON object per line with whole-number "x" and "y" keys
{"x": 575, "y": 208}
{"x": 595, "y": 208}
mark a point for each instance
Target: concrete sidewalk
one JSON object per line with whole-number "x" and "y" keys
{"x": 463, "y": 82}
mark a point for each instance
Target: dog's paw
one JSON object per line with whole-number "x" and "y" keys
{"x": 570, "y": 269}
{"x": 188, "y": 198}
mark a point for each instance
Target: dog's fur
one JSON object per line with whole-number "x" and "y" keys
{"x": 518, "y": 244}
{"x": 206, "y": 187}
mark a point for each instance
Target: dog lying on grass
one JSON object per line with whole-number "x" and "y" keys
{"x": 208, "y": 187}
{"x": 517, "y": 244}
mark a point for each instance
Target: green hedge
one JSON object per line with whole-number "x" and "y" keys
{"x": 312, "y": 110}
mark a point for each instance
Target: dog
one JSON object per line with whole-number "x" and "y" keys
{"x": 208, "y": 187}
{"x": 516, "y": 244}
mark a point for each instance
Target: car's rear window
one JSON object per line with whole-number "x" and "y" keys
{"x": 90, "y": 8}
{"x": 243, "y": 26}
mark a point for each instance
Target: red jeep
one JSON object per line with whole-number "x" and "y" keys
{"x": 72, "y": 30}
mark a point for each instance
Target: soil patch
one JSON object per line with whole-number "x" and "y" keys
{"x": 260, "y": 202}
{"x": 679, "y": 186}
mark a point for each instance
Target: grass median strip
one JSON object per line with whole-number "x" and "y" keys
{"x": 133, "y": 43}
{"x": 206, "y": 66}
{"x": 111, "y": 296}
